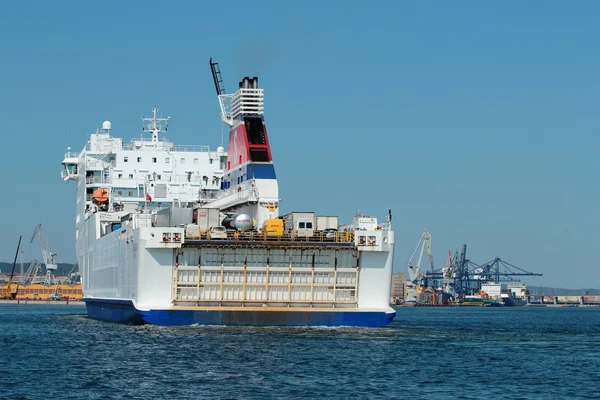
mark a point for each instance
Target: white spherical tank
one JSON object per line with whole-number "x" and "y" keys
{"x": 220, "y": 150}
{"x": 240, "y": 222}
{"x": 106, "y": 126}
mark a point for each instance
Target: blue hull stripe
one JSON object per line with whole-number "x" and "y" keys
{"x": 112, "y": 310}
{"x": 124, "y": 311}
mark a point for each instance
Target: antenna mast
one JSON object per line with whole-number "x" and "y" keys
{"x": 155, "y": 124}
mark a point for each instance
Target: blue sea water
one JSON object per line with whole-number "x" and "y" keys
{"x": 56, "y": 352}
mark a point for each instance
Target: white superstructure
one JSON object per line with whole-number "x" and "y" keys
{"x": 147, "y": 245}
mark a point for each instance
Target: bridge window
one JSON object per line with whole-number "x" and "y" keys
{"x": 154, "y": 159}
{"x": 120, "y": 176}
{"x": 130, "y": 176}
{"x": 125, "y": 159}
{"x": 139, "y": 159}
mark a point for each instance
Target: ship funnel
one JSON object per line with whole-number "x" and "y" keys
{"x": 249, "y": 83}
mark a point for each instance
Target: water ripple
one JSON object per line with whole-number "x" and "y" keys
{"x": 528, "y": 353}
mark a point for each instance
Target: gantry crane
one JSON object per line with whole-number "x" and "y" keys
{"x": 49, "y": 258}
{"x": 414, "y": 271}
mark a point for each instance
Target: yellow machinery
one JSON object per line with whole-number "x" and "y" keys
{"x": 273, "y": 227}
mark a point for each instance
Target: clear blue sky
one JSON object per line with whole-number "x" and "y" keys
{"x": 478, "y": 120}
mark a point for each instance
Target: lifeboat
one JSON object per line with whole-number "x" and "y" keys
{"x": 100, "y": 195}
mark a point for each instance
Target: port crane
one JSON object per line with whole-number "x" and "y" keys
{"x": 9, "y": 293}
{"x": 74, "y": 275}
{"x": 414, "y": 271}
{"x": 49, "y": 258}
{"x": 461, "y": 276}
{"x": 31, "y": 273}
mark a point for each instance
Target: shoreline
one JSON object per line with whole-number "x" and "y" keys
{"x": 45, "y": 302}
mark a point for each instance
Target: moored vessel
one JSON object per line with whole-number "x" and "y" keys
{"x": 180, "y": 235}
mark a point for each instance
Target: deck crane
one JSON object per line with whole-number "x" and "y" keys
{"x": 9, "y": 293}
{"x": 48, "y": 257}
{"x": 225, "y": 100}
{"x": 414, "y": 271}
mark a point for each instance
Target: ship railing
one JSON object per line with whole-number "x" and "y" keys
{"x": 140, "y": 144}
{"x": 194, "y": 148}
{"x": 71, "y": 154}
{"x": 97, "y": 179}
{"x": 386, "y": 226}
{"x": 337, "y": 237}
{"x": 242, "y": 191}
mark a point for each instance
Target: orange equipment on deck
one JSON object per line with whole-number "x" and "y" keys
{"x": 100, "y": 195}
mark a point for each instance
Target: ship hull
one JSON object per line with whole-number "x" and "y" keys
{"x": 124, "y": 311}
{"x": 513, "y": 302}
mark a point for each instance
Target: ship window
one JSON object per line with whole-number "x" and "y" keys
{"x": 182, "y": 160}
{"x": 210, "y": 160}
{"x": 195, "y": 161}
{"x": 158, "y": 177}
{"x": 309, "y": 225}
{"x": 125, "y": 159}
{"x": 130, "y": 194}
{"x": 301, "y": 225}
{"x": 154, "y": 159}
{"x": 167, "y": 160}
{"x": 130, "y": 176}
{"x": 139, "y": 159}
{"x": 120, "y": 176}
{"x": 120, "y": 193}
{"x": 239, "y": 162}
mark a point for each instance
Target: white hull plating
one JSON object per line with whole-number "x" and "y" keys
{"x": 133, "y": 264}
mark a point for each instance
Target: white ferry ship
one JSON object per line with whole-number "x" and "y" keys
{"x": 179, "y": 235}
